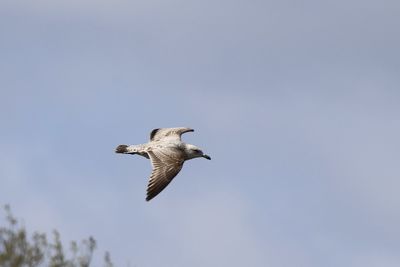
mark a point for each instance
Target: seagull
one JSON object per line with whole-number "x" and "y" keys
{"x": 167, "y": 154}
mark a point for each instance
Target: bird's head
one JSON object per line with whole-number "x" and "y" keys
{"x": 195, "y": 152}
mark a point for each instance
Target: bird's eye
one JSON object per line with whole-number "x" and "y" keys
{"x": 197, "y": 150}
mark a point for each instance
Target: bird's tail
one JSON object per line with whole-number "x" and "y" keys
{"x": 123, "y": 149}
{"x": 129, "y": 149}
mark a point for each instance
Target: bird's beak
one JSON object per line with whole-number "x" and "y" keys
{"x": 206, "y": 157}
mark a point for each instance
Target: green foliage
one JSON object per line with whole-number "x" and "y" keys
{"x": 18, "y": 250}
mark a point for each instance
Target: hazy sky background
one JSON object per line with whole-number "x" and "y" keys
{"x": 297, "y": 103}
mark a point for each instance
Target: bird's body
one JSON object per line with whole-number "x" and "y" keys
{"x": 167, "y": 153}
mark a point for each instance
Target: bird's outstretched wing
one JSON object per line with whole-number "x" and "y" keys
{"x": 167, "y": 163}
{"x": 170, "y": 133}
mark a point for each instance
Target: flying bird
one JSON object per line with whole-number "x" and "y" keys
{"x": 167, "y": 154}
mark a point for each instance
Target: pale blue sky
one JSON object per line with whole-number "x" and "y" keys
{"x": 297, "y": 103}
